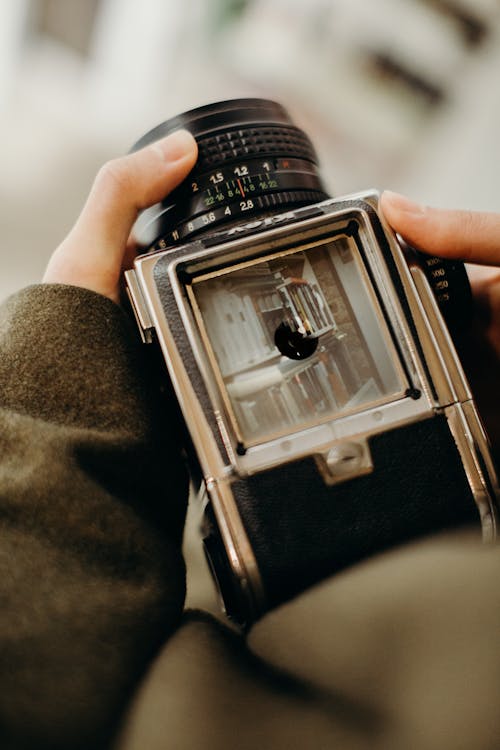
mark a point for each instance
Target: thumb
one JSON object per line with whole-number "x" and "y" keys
{"x": 471, "y": 236}
{"x": 91, "y": 255}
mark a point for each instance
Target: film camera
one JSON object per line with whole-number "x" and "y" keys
{"x": 327, "y": 409}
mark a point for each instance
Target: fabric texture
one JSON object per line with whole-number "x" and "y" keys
{"x": 401, "y": 651}
{"x": 92, "y": 507}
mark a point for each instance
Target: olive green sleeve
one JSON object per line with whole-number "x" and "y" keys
{"x": 92, "y": 505}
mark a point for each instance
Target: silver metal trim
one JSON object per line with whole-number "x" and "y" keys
{"x": 391, "y": 300}
{"x": 345, "y": 460}
{"x": 472, "y": 444}
{"x": 238, "y": 548}
{"x": 273, "y": 242}
{"x": 439, "y": 351}
{"x": 204, "y": 350}
{"x": 448, "y": 375}
{"x": 318, "y": 439}
{"x": 216, "y": 473}
{"x": 139, "y": 308}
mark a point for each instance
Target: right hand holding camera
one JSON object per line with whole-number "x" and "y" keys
{"x": 473, "y": 237}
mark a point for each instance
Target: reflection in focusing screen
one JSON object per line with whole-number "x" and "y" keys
{"x": 286, "y": 342}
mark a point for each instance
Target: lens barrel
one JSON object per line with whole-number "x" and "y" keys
{"x": 252, "y": 160}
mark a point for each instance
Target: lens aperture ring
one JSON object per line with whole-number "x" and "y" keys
{"x": 254, "y": 177}
{"x": 239, "y": 211}
{"x": 231, "y": 192}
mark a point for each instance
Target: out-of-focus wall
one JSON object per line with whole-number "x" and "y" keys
{"x": 399, "y": 93}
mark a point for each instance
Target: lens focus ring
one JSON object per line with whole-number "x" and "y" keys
{"x": 251, "y": 160}
{"x": 248, "y": 142}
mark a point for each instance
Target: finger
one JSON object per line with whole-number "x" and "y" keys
{"x": 94, "y": 249}
{"x": 131, "y": 183}
{"x": 471, "y": 236}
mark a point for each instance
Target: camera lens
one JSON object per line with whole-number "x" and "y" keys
{"x": 252, "y": 160}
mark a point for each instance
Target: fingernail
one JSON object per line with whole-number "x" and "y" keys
{"x": 402, "y": 203}
{"x": 178, "y": 145}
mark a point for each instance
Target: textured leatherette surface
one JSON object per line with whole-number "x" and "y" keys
{"x": 302, "y": 530}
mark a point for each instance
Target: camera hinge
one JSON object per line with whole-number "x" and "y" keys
{"x": 140, "y": 310}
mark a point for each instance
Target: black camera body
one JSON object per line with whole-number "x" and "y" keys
{"x": 328, "y": 411}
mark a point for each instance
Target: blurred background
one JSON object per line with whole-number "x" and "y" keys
{"x": 399, "y": 93}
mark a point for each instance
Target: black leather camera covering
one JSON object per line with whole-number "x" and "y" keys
{"x": 302, "y": 530}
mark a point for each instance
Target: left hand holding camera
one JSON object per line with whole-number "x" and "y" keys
{"x": 96, "y": 250}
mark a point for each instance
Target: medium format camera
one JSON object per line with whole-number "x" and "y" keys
{"x": 328, "y": 413}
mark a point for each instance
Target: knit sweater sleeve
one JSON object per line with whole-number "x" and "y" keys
{"x": 92, "y": 505}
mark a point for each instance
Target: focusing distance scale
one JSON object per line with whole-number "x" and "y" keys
{"x": 251, "y": 159}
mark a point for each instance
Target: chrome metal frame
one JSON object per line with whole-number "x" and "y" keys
{"x": 438, "y": 375}
{"x": 205, "y": 350}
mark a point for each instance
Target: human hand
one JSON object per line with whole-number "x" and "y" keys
{"x": 98, "y": 248}
{"x": 473, "y": 237}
